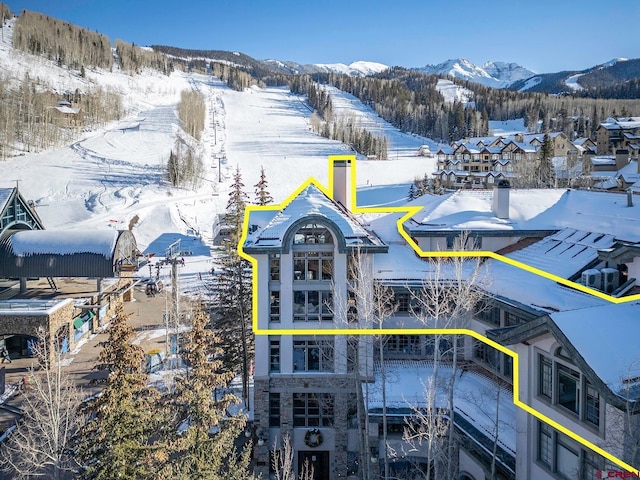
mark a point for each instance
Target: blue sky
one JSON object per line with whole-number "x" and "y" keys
{"x": 544, "y": 36}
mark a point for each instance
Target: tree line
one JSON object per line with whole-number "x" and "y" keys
{"x": 410, "y": 101}
{"x": 184, "y": 166}
{"x": 61, "y": 42}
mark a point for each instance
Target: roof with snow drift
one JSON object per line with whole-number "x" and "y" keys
{"x": 273, "y": 230}
{"x": 66, "y": 253}
{"x": 534, "y": 210}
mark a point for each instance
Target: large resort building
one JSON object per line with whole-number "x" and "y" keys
{"x": 559, "y": 290}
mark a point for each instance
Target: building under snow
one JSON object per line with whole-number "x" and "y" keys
{"x": 566, "y": 316}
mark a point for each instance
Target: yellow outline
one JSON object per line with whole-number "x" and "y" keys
{"x": 409, "y": 212}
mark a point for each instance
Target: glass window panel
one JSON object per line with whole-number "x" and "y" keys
{"x": 544, "y": 444}
{"x": 592, "y": 414}
{"x": 569, "y": 388}
{"x": 567, "y": 461}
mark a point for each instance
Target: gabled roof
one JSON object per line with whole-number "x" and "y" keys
{"x": 602, "y": 341}
{"x": 269, "y": 230}
{"x": 28, "y": 217}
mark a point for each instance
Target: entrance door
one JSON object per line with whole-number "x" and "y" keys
{"x": 319, "y": 460}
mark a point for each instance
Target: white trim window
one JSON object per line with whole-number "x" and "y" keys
{"x": 563, "y": 456}
{"x": 313, "y": 355}
{"x": 561, "y": 384}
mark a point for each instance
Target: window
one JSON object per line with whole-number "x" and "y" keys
{"x": 274, "y": 409}
{"x": 352, "y": 353}
{"x": 564, "y": 457}
{"x": 312, "y": 356}
{"x": 274, "y": 305}
{"x": 274, "y": 266}
{"x": 592, "y": 412}
{"x": 565, "y": 386}
{"x": 312, "y": 233}
{"x": 313, "y": 265}
{"x": 567, "y": 458}
{"x": 404, "y": 302}
{"x": 489, "y": 314}
{"x": 402, "y": 344}
{"x": 511, "y": 319}
{"x": 486, "y": 354}
{"x": 546, "y": 377}
{"x": 568, "y": 388}
{"x": 545, "y": 444}
{"x": 313, "y": 410}
{"x": 274, "y": 355}
{"x": 312, "y": 305}
{"x": 352, "y": 307}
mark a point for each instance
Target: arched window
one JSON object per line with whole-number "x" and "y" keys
{"x": 313, "y": 271}
{"x": 312, "y": 233}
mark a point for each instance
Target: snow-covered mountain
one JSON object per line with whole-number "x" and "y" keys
{"x": 356, "y": 69}
{"x": 491, "y": 74}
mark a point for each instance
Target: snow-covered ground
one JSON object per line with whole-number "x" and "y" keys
{"x": 572, "y": 82}
{"x": 452, "y": 92}
{"x": 115, "y": 177}
{"x": 506, "y": 127}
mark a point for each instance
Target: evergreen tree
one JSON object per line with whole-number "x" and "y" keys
{"x": 545, "y": 168}
{"x": 203, "y": 434}
{"x": 119, "y": 438}
{"x": 263, "y": 197}
{"x": 232, "y": 318}
{"x": 413, "y": 192}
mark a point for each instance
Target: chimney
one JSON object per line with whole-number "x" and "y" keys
{"x": 622, "y": 159}
{"x": 629, "y": 197}
{"x": 500, "y": 204}
{"x": 342, "y": 182}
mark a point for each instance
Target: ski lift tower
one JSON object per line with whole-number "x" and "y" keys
{"x": 173, "y": 256}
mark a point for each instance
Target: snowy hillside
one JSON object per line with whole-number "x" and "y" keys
{"x": 115, "y": 177}
{"x": 491, "y": 74}
{"x": 452, "y": 92}
{"x": 355, "y": 69}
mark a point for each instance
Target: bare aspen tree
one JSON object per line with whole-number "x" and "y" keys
{"x": 42, "y": 443}
{"x": 365, "y": 304}
{"x": 623, "y": 423}
{"x": 282, "y": 462}
{"x": 446, "y": 300}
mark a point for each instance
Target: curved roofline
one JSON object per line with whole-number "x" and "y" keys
{"x": 287, "y": 238}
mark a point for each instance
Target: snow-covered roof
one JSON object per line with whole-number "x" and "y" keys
{"x": 32, "y": 306}
{"x": 603, "y": 160}
{"x": 581, "y": 141}
{"x": 522, "y": 287}
{"x": 621, "y": 123}
{"x": 310, "y": 202}
{"x": 537, "y": 209}
{"x": 63, "y": 242}
{"x": 472, "y": 210}
{"x": 67, "y": 110}
{"x": 525, "y": 147}
{"x": 607, "y": 339}
{"x": 564, "y": 253}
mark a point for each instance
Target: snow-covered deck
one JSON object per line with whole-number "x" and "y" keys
{"x": 478, "y": 400}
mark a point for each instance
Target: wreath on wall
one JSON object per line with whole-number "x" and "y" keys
{"x": 313, "y": 438}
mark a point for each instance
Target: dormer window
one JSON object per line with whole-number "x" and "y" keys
{"x": 312, "y": 233}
